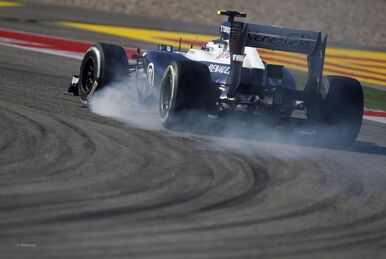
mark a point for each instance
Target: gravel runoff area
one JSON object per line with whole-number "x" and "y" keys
{"x": 351, "y": 22}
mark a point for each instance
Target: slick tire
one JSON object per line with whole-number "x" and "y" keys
{"x": 339, "y": 111}
{"x": 102, "y": 65}
{"x": 186, "y": 94}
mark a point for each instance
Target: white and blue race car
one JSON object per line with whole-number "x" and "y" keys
{"x": 227, "y": 75}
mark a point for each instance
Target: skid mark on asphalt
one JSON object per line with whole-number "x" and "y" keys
{"x": 366, "y": 66}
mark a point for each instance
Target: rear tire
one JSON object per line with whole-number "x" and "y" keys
{"x": 186, "y": 88}
{"x": 102, "y": 64}
{"x": 339, "y": 111}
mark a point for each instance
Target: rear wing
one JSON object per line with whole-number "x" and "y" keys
{"x": 274, "y": 38}
{"x": 279, "y": 38}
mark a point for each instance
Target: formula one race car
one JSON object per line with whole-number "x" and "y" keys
{"x": 227, "y": 75}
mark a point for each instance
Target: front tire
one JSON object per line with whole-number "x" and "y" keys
{"x": 102, "y": 65}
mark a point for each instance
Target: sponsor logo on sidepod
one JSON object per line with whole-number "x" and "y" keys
{"x": 224, "y": 55}
{"x": 219, "y": 69}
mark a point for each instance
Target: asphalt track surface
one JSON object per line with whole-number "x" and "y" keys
{"x": 77, "y": 185}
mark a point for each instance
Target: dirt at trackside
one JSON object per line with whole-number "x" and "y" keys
{"x": 352, "y": 22}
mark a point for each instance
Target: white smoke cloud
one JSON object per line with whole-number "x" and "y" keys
{"x": 120, "y": 101}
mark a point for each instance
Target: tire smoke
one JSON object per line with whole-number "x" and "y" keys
{"x": 120, "y": 101}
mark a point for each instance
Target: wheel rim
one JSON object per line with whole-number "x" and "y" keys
{"x": 88, "y": 79}
{"x": 166, "y": 95}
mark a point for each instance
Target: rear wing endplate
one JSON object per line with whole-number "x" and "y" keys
{"x": 274, "y": 38}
